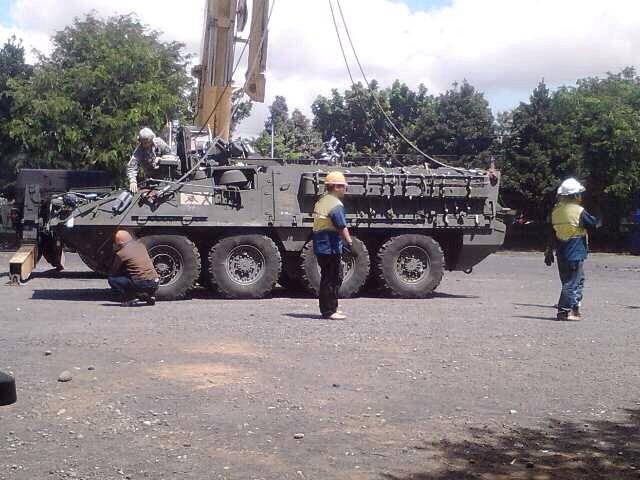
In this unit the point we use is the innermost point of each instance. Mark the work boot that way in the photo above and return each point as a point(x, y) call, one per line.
point(149, 299)
point(576, 313)
point(568, 317)
point(338, 316)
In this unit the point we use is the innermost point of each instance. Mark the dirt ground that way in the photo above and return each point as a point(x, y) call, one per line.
point(477, 382)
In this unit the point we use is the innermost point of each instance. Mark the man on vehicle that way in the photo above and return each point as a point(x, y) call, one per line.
point(146, 155)
point(330, 233)
point(569, 239)
point(133, 275)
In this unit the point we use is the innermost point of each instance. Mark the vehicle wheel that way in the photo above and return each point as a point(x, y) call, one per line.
point(356, 267)
point(245, 266)
point(410, 266)
point(290, 276)
point(177, 261)
point(93, 265)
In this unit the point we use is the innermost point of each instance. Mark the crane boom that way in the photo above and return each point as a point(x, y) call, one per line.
point(224, 21)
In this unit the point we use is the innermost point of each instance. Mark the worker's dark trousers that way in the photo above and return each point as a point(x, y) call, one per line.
point(330, 282)
point(129, 290)
point(572, 278)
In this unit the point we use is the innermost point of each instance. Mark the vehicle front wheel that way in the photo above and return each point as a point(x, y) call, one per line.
point(177, 261)
point(245, 266)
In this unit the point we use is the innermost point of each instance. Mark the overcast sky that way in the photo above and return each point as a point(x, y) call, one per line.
point(503, 47)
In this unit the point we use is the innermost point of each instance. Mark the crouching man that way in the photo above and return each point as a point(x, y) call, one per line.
point(132, 273)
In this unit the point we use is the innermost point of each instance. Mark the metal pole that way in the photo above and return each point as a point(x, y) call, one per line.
point(273, 136)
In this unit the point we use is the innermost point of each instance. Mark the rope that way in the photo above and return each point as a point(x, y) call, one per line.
point(376, 101)
point(353, 82)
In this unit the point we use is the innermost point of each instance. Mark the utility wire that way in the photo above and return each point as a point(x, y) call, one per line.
point(377, 102)
point(353, 82)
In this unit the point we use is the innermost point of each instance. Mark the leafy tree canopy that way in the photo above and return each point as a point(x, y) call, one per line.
point(83, 105)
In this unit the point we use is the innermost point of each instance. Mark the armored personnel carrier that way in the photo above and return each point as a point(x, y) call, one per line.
point(242, 225)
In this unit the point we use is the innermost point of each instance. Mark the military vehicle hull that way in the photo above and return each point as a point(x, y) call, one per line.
point(241, 229)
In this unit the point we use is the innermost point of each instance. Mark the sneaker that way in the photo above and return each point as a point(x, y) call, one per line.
point(576, 313)
point(338, 316)
point(568, 317)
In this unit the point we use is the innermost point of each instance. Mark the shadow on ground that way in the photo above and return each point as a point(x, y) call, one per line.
point(562, 450)
point(535, 305)
point(534, 317)
point(74, 295)
point(85, 275)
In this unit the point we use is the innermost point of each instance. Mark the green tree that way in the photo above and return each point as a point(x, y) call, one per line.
point(590, 132)
point(293, 135)
point(104, 80)
point(459, 123)
point(606, 120)
point(12, 66)
point(352, 118)
point(530, 172)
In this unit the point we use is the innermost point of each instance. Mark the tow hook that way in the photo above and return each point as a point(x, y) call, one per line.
point(468, 271)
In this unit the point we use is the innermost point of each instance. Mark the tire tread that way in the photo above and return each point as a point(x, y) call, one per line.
point(390, 245)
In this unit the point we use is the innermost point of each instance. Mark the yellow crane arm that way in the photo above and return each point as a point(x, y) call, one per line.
point(224, 21)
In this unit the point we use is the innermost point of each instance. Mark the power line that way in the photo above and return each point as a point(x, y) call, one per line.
point(376, 101)
point(353, 82)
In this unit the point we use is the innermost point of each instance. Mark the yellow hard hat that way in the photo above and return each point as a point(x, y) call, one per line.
point(335, 178)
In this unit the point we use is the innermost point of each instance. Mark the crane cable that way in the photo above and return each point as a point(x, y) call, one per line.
point(353, 82)
point(376, 101)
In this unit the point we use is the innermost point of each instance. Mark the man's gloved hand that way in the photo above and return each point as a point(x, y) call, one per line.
point(346, 248)
point(549, 258)
point(133, 187)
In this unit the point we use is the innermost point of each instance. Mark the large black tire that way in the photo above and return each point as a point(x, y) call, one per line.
point(290, 276)
point(410, 266)
point(245, 266)
point(93, 265)
point(177, 261)
point(357, 266)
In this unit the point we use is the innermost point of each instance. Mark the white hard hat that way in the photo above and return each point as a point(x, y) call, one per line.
point(146, 134)
point(571, 187)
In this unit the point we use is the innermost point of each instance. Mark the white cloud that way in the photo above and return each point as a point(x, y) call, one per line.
point(504, 47)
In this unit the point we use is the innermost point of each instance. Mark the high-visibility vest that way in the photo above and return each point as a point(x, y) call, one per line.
point(566, 220)
point(324, 206)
